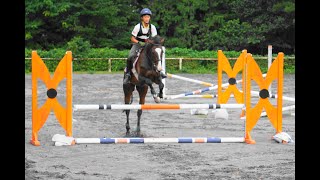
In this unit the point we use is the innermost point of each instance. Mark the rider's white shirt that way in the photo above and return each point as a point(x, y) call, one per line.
point(144, 31)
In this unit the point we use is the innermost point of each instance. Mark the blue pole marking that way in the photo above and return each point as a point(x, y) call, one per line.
point(213, 140)
point(136, 140)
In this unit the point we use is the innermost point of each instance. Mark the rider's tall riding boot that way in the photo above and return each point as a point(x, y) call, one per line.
point(127, 76)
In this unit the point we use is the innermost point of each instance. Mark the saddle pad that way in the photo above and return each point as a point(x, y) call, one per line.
point(134, 71)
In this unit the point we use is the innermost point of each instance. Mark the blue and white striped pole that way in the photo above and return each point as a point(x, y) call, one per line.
point(159, 140)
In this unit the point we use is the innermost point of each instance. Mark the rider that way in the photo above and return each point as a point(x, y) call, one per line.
point(140, 35)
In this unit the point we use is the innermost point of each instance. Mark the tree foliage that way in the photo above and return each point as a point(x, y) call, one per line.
point(194, 24)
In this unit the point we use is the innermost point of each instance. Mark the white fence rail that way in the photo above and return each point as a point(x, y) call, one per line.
point(180, 59)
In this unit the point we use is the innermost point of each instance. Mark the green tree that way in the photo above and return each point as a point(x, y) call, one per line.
point(234, 35)
point(53, 23)
point(44, 22)
point(275, 19)
point(194, 24)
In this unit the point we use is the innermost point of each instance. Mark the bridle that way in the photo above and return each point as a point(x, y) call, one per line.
point(159, 52)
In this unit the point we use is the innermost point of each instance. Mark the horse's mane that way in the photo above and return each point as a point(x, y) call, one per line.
point(156, 39)
point(147, 52)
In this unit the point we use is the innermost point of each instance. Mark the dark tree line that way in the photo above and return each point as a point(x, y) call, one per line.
point(195, 24)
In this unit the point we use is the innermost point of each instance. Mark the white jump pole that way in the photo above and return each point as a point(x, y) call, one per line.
point(159, 140)
point(189, 80)
point(209, 96)
point(155, 106)
point(287, 108)
point(192, 94)
point(62, 140)
point(275, 96)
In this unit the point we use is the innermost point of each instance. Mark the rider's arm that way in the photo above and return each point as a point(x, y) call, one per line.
point(153, 30)
point(134, 40)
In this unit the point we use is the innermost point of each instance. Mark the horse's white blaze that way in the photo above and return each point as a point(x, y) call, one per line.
point(158, 50)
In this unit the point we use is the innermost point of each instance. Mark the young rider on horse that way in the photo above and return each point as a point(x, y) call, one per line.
point(140, 35)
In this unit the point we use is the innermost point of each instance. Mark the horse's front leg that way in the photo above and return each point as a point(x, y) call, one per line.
point(127, 124)
point(161, 86)
point(128, 100)
point(153, 92)
point(159, 82)
point(139, 113)
point(142, 94)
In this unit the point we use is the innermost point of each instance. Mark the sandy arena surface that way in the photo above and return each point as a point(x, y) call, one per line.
point(266, 159)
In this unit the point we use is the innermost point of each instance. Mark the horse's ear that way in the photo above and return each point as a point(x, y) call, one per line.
point(162, 40)
point(149, 41)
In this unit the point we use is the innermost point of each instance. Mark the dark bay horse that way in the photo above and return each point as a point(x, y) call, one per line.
point(147, 72)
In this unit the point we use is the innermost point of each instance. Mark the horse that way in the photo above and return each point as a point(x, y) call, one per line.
point(146, 72)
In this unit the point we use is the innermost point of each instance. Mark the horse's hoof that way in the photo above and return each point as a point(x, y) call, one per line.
point(157, 99)
point(138, 134)
point(127, 134)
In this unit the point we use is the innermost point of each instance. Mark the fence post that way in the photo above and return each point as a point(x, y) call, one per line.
point(109, 64)
point(269, 63)
point(180, 64)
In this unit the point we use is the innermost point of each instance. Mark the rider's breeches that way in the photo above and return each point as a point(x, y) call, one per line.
point(132, 54)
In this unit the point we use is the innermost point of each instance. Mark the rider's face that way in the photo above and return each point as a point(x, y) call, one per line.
point(146, 18)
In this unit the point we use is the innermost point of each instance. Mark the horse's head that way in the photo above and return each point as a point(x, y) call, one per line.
point(155, 51)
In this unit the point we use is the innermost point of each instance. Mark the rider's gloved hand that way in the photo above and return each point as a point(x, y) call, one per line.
point(142, 43)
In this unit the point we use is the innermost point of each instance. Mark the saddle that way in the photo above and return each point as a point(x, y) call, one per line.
point(133, 70)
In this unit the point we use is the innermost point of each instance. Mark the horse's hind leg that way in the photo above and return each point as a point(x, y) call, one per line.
point(142, 94)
